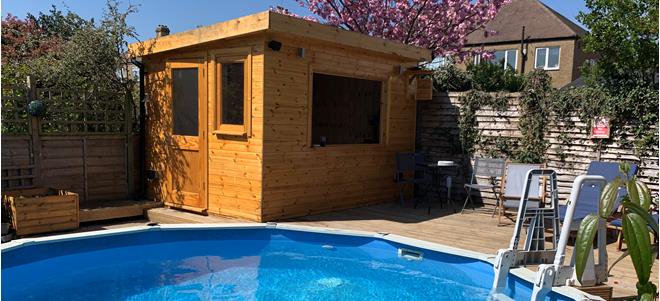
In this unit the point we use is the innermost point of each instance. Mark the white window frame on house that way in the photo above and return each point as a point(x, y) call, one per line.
point(547, 57)
point(477, 58)
point(506, 59)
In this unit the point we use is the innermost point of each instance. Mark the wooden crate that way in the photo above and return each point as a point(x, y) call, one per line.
point(42, 210)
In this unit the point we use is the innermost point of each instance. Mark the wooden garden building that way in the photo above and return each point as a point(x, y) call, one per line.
point(268, 116)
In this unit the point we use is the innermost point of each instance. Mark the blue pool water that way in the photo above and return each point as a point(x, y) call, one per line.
point(242, 264)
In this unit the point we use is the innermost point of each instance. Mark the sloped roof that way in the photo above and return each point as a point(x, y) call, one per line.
point(282, 24)
point(540, 21)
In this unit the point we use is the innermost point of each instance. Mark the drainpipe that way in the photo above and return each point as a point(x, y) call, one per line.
point(523, 51)
point(143, 113)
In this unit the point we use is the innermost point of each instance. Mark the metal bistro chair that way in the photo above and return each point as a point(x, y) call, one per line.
point(411, 164)
point(484, 167)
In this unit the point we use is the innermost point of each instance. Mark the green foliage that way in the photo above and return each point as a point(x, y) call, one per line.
point(638, 224)
point(534, 116)
point(624, 34)
point(632, 112)
point(485, 76)
point(85, 60)
point(490, 77)
point(471, 102)
point(531, 147)
point(587, 233)
point(450, 78)
point(93, 57)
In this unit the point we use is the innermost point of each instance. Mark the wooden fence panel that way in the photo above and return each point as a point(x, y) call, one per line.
point(83, 144)
point(17, 166)
point(438, 138)
point(95, 167)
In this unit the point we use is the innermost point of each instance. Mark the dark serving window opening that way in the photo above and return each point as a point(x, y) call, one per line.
point(232, 93)
point(345, 110)
point(185, 104)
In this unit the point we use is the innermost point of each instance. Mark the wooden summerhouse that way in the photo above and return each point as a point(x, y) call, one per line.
point(269, 116)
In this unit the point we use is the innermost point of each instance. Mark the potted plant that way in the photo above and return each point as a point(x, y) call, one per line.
point(638, 226)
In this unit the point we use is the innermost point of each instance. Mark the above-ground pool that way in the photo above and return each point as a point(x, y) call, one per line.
point(255, 262)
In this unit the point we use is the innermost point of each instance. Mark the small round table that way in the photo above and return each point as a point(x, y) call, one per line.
point(436, 169)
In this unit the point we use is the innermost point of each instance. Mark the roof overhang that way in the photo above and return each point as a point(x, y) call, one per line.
point(281, 24)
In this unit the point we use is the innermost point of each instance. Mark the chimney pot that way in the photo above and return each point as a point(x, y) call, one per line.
point(162, 30)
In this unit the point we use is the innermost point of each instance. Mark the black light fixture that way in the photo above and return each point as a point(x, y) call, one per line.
point(275, 45)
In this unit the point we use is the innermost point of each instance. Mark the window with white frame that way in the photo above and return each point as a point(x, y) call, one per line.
point(547, 58)
point(506, 58)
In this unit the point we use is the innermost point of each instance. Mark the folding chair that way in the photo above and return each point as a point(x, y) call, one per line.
point(484, 167)
point(513, 185)
point(411, 164)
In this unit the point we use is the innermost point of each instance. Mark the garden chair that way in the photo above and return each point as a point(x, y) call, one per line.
point(410, 170)
point(513, 186)
point(589, 198)
point(484, 167)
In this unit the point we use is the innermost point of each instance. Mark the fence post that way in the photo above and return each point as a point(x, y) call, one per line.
point(35, 140)
point(85, 171)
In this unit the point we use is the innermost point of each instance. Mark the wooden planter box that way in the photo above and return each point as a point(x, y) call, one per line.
point(41, 210)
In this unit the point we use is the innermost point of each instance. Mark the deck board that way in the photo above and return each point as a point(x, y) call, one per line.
point(475, 231)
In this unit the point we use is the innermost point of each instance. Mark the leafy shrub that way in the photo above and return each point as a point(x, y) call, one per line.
point(485, 76)
point(633, 112)
point(511, 81)
point(491, 77)
point(449, 78)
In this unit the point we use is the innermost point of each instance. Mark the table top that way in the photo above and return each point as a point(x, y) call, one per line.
point(441, 164)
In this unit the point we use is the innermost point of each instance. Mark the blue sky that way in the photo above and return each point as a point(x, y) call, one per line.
point(181, 15)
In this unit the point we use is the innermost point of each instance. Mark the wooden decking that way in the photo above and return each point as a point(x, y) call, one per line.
point(475, 231)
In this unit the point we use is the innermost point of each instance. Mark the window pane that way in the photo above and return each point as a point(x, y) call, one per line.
point(553, 57)
point(540, 57)
point(499, 57)
point(511, 58)
point(232, 93)
point(345, 110)
point(184, 101)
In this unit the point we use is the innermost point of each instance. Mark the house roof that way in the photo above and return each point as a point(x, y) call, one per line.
point(540, 21)
point(273, 22)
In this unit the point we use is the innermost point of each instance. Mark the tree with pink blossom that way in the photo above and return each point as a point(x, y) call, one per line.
point(439, 25)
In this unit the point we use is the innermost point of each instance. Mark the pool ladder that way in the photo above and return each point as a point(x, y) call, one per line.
point(534, 252)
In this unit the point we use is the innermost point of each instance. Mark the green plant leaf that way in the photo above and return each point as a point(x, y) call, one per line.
point(584, 242)
point(608, 198)
point(636, 234)
point(633, 193)
point(646, 297)
point(648, 217)
point(644, 195)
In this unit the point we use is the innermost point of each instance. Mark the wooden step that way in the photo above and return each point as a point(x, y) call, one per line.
point(98, 211)
point(173, 216)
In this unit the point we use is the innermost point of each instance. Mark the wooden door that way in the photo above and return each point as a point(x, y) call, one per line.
point(187, 178)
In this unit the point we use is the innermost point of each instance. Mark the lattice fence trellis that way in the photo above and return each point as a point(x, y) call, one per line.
point(15, 119)
point(74, 113)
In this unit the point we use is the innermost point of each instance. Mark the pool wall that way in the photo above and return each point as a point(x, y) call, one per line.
point(522, 273)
